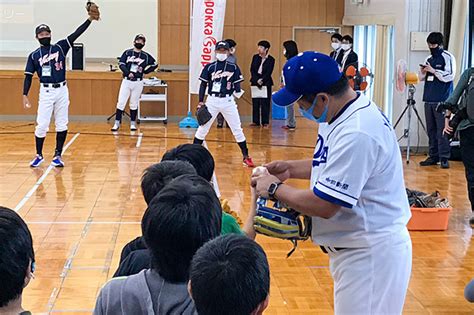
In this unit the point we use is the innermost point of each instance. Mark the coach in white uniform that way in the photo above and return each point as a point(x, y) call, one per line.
point(357, 194)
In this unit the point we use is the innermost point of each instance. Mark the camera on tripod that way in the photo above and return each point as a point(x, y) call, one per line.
point(459, 115)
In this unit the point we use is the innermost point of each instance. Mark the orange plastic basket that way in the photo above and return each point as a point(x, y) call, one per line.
point(429, 219)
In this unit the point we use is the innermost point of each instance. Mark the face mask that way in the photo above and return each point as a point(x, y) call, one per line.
point(336, 46)
point(221, 57)
point(308, 114)
point(284, 52)
point(435, 51)
point(45, 41)
point(346, 46)
point(139, 45)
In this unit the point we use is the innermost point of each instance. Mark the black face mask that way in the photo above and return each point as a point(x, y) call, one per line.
point(435, 51)
point(45, 41)
point(139, 45)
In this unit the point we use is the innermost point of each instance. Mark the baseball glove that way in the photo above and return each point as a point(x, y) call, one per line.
point(276, 220)
point(93, 10)
point(203, 115)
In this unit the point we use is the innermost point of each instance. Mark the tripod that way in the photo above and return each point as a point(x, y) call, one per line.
point(408, 109)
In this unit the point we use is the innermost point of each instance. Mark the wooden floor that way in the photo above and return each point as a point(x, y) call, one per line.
point(82, 215)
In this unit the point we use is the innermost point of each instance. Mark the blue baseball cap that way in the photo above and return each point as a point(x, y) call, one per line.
point(222, 45)
point(307, 73)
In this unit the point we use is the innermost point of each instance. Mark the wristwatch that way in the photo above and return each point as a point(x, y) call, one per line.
point(273, 188)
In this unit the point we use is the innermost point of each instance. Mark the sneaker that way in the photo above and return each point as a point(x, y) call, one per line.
point(37, 161)
point(471, 222)
point(286, 127)
point(265, 126)
point(116, 126)
point(133, 126)
point(248, 161)
point(444, 163)
point(57, 161)
point(429, 161)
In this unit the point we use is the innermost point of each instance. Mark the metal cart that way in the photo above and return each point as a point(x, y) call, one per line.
point(154, 97)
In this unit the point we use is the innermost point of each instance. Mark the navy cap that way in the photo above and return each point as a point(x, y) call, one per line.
point(42, 28)
point(140, 36)
point(307, 73)
point(222, 45)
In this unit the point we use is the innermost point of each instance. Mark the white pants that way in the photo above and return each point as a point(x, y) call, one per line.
point(228, 108)
point(374, 280)
point(51, 101)
point(132, 90)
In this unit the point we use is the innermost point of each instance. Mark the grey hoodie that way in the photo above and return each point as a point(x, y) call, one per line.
point(144, 293)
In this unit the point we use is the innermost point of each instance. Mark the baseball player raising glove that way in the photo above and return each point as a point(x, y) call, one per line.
point(93, 10)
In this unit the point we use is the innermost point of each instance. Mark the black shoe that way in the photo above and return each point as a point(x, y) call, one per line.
point(429, 161)
point(220, 126)
point(444, 163)
point(471, 222)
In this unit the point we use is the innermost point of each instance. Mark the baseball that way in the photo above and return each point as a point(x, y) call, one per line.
point(260, 170)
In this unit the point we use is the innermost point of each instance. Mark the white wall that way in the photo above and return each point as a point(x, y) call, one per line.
point(108, 38)
point(407, 16)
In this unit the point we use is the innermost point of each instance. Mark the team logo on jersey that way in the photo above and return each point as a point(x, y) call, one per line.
point(221, 74)
point(134, 59)
point(47, 58)
point(321, 155)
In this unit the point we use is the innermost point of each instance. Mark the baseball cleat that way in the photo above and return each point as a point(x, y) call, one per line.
point(133, 126)
point(57, 161)
point(248, 161)
point(116, 126)
point(37, 161)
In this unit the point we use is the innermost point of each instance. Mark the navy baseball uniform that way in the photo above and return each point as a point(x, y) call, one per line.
point(134, 63)
point(49, 63)
point(220, 79)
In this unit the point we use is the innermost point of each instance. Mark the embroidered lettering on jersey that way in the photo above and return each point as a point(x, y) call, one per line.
point(134, 59)
point(47, 58)
point(221, 74)
point(321, 155)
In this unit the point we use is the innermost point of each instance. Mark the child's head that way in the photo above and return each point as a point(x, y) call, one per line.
point(16, 256)
point(230, 275)
point(184, 215)
point(197, 155)
point(158, 175)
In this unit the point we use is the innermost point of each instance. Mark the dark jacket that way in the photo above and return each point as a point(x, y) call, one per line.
point(266, 75)
point(352, 60)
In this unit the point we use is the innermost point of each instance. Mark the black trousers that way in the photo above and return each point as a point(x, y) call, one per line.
point(466, 138)
point(261, 108)
point(439, 144)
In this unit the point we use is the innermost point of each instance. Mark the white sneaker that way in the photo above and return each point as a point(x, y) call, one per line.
point(133, 126)
point(116, 126)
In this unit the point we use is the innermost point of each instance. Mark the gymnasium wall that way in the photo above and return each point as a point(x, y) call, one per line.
point(247, 21)
point(121, 21)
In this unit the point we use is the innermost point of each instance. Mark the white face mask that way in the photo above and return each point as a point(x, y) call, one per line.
point(284, 52)
point(346, 46)
point(221, 57)
point(336, 46)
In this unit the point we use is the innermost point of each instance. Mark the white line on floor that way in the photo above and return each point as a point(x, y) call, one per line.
point(214, 177)
point(42, 178)
point(139, 140)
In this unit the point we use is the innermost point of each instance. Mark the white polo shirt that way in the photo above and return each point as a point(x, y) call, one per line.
point(357, 164)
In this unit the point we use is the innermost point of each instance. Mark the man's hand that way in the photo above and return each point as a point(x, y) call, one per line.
point(200, 104)
point(262, 183)
point(26, 102)
point(279, 169)
point(423, 70)
point(429, 68)
point(260, 82)
point(131, 75)
point(447, 129)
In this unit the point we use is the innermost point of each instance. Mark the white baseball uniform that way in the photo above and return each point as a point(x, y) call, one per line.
point(357, 164)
